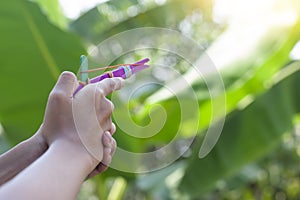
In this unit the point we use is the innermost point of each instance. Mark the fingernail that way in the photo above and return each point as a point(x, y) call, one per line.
point(108, 136)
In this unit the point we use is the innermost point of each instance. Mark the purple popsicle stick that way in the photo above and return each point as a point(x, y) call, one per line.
point(120, 72)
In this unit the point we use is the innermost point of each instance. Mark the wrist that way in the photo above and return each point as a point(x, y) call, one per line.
point(75, 152)
point(37, 144)
point(40, 142)
point(21, 156)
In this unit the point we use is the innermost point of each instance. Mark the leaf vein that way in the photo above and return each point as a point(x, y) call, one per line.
point(41, 45)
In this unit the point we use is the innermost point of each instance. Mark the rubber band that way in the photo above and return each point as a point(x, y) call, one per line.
point(110, 74)
point(127, 71)
point(84, 83)
point(110, 67)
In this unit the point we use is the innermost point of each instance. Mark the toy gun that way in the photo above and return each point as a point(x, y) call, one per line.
point(123, 70)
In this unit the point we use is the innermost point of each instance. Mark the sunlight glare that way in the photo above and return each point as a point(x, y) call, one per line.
point(73, 8)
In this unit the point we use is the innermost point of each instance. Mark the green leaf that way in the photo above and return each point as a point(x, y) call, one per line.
point(247, 136)
point(33, 53)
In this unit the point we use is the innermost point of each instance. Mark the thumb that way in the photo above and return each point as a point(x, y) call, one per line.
point(66, 83)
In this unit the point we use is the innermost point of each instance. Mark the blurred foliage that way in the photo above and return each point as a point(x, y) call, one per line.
point(258, 125)
point(115, 16)
point(33, 53)
point(274, 177)
point(53, 11)
point(262, 97)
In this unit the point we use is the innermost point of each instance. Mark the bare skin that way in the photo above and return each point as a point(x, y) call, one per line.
point(54, 162)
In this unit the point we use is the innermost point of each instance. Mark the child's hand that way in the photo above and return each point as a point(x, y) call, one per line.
point(79, 122)
point(110, 145)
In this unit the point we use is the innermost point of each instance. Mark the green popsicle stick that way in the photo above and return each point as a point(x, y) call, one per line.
point(84, 65)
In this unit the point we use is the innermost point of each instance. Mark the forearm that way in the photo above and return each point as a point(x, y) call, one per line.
point(19, 157)
point(57, 174)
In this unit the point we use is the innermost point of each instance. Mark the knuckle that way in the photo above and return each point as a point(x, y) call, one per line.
point(107, 107)
point(112, 107)
point(89, 90)
point(105, 122)
point(107, 151)
point(110, 83)
point(100, 93)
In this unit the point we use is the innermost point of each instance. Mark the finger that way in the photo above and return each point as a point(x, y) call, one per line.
point(105, 124)
point(92, 174)
point(107, 140)
point(113, 128)
point(106, 156)
point(101, 167)
point(109, 85)
point(66, 83)
point(105, 108)
point(113, 146)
